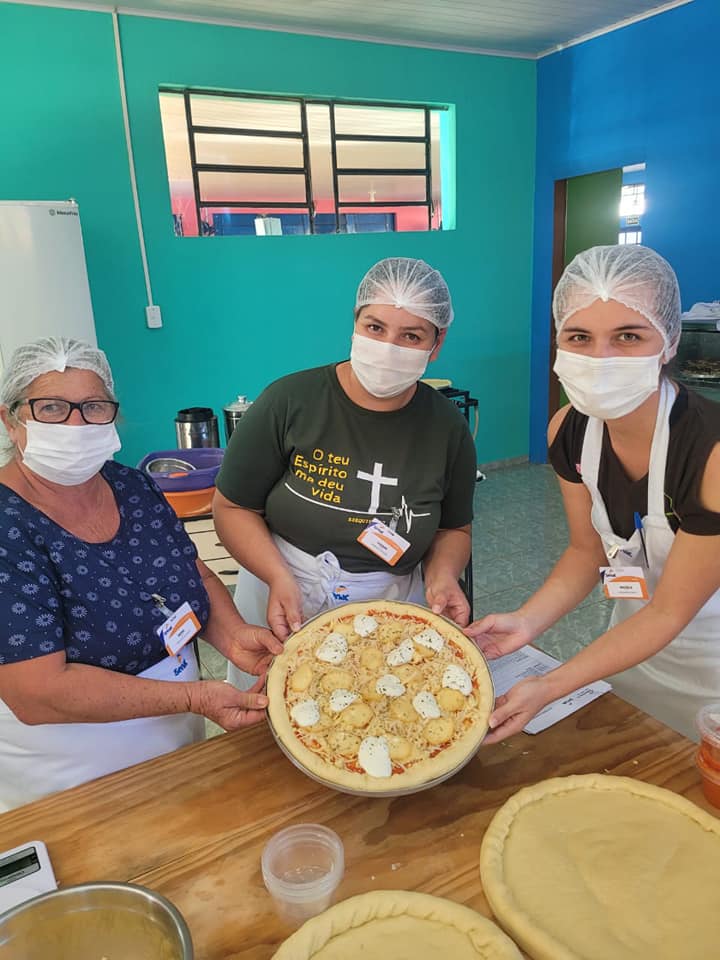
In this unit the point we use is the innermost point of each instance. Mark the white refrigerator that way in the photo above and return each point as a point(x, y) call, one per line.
point(43, 277)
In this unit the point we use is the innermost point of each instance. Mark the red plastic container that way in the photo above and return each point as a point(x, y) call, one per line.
point(710, 779)
point(708, 724)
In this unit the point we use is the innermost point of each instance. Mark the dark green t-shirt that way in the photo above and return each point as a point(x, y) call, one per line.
point(321, 467)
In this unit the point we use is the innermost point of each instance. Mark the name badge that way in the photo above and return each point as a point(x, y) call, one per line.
point(179, 629)
point(385, 543)
point(624, 583)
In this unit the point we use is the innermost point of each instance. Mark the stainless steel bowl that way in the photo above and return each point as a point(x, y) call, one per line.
point(168, 465)
point(92, 921)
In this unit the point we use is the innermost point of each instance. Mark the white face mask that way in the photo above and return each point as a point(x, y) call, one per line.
point(607, 387)
point(68, 454)
point(384, 369)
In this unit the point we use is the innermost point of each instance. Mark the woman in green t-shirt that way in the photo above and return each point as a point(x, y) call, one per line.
point(354, 480)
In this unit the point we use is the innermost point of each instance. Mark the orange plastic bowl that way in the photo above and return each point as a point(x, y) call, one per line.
point(190, 503)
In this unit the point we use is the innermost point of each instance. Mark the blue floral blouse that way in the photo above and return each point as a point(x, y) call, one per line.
point(93, 600)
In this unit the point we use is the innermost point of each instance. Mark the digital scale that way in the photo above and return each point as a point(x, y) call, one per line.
point(25, 872)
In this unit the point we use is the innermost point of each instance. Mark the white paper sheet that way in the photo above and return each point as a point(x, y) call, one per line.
point(528, 662)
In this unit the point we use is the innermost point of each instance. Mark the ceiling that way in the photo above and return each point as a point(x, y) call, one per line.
point(525, 28)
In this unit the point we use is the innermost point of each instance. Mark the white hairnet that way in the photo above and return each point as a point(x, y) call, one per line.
point(43, 356)
point(633, 275)
point(411, 285)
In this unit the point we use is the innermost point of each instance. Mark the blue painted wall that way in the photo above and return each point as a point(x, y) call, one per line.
point(239, 312)
point(649, 92)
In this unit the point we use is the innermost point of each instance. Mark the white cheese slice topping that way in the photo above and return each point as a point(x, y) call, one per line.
point(333, 649)
point(426, 705)
point(457, 679)
point(390, 686)
point(374, 757)
point(401, 654)
point(364, 625)
point(339, 699)
point(430, 638)
point(306, 713)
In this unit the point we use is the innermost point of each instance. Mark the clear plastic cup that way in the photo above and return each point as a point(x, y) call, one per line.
point(302, 867)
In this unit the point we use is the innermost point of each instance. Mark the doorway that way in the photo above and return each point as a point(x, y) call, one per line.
point(586, 214)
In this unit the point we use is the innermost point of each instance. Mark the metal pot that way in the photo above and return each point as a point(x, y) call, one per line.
point(120, 921)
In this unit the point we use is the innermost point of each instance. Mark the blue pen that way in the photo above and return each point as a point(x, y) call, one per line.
point(639, 528)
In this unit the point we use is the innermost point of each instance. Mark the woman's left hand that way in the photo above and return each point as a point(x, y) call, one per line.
point(516, 708)
point(252, 648)
point(445, 596)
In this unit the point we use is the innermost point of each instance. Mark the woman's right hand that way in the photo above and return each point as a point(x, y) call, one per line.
point(284, 610)
point(500, 633)
point(227, 706)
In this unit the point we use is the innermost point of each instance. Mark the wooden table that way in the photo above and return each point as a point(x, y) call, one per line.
point(193, 824)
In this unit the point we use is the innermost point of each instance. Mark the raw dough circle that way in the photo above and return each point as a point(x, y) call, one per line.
point(604, 868)
point(397, 923)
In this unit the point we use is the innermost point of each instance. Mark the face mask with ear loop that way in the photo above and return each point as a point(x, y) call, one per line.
point(68, 454)
point(607, 387)
point(384, 369)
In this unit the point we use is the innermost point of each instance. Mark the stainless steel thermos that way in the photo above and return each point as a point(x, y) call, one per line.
point(233, 411)
point(196, 427)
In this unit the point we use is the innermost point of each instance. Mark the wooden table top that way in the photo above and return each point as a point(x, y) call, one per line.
point(192, 824)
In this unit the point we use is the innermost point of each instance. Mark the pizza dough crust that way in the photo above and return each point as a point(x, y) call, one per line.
point(423, 771)
point(397, 923)
point(597, 867)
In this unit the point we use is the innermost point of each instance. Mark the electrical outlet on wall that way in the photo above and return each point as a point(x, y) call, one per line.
point(153, 317)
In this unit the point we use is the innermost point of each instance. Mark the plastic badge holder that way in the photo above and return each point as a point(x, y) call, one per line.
point(302, 867)
point(400, 791)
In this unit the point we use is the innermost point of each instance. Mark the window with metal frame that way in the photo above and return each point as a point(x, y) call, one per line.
point(251, 163)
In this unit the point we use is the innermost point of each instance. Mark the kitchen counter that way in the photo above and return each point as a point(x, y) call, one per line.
point(193, 824)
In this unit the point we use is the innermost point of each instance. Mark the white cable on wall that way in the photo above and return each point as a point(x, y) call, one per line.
point(131, 159)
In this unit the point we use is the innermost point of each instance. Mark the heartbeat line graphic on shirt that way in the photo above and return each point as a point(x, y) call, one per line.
point(405, 511)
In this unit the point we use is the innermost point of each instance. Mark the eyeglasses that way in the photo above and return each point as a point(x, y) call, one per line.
point(54, 410)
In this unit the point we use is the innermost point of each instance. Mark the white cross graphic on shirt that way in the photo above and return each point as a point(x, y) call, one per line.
point(377, 480)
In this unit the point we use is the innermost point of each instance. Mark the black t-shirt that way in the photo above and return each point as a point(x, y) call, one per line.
point(321, 467)
point(694, 431)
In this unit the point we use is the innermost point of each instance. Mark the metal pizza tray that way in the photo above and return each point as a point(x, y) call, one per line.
point(401, 791)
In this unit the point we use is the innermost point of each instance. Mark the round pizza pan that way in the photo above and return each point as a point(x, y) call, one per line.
point(399, 791)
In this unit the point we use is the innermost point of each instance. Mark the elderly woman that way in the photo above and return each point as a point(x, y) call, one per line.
point(93, 562)
point(638, 457)
point(355, 481)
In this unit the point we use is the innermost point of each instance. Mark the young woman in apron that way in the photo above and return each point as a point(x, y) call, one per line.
point(354, 481)
point(101, 592)
point(639, 464)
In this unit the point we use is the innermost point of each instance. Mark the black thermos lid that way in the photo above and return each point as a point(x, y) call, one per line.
point(194, 414)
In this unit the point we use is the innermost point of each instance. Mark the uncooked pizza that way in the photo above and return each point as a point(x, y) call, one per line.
point(397, 923)
point(604, 868)
point(380, 696)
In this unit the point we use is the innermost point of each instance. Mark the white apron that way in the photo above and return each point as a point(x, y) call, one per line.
point(323, 584)
point(39, 759)
point(674, 683)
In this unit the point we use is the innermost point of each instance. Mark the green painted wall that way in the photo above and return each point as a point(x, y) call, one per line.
point(239, 312)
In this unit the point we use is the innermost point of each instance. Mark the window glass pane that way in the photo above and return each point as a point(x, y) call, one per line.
point(366, 155)
point(249, 151)
point(252, 188)
point(318, 120)
point(380, 121)
point(632, 199)
point(380, 189)
point(209, 111)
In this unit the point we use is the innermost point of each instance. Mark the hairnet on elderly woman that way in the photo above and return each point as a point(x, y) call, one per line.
point(634, 275)
point(32, 360)
point(408, 284)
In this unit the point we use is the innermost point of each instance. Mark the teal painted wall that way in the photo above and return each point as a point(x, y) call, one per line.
point(239, 312)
